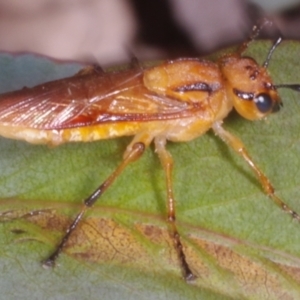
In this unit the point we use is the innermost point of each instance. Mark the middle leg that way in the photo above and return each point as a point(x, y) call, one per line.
point(167, 163)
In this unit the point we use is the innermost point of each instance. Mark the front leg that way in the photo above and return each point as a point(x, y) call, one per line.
point(237, 145)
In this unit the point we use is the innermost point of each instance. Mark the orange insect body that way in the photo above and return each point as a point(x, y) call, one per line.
point(177, 100)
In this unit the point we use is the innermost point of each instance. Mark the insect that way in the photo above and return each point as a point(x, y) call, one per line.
point(178, 100)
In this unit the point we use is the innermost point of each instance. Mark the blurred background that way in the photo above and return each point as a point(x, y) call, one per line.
point(109, 31)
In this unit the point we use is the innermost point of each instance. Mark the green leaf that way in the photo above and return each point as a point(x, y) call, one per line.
point(275, 5)
point(238, 242)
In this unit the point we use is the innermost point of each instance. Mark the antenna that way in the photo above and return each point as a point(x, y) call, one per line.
point(295, 87)
point(276, 43)
point(255, 32)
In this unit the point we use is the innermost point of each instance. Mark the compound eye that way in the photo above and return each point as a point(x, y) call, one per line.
point(263, 102)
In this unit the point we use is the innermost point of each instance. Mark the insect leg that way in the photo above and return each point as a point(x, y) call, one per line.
point(239, 148)
point(132, 153)
point(167, 163)
point(134, 63)
point(89, 70)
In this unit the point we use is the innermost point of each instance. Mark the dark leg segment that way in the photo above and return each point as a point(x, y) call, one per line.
point(133, 154)
point(167, 163)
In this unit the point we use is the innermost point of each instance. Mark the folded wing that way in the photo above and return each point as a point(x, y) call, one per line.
point(86, 99)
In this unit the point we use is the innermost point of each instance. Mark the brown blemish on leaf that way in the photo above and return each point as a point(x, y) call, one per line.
point(104, 240)
point(253, 276)
point(294, 272)
point(48, 219)
point(148, 247)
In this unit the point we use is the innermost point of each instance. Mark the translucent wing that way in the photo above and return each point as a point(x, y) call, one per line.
point(86, 99)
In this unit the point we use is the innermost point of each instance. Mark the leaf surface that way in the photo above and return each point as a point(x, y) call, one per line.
point(239, 243)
